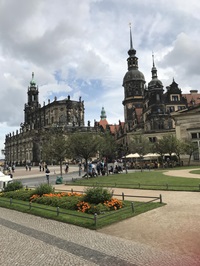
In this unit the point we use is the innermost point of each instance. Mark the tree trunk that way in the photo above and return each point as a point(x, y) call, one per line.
point(61, 168)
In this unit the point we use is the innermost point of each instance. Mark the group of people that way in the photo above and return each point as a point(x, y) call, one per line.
point(100, 168)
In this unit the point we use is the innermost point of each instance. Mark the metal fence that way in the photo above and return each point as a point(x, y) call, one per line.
point(140, 185)
point(95, 217)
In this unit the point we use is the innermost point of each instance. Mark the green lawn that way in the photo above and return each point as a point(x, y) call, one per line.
point(196, 172)
point(79, 218)
point(154, 179)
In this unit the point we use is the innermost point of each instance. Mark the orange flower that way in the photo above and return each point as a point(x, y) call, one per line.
point(83, 206)
point(114, 204)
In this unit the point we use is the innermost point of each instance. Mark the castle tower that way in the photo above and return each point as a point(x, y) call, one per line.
point(134, 86)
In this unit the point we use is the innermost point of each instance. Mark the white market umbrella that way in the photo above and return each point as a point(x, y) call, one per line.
point(151, 155)
point(133, 155)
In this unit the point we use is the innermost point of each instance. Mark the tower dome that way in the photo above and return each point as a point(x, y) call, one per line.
point(155, 82)
point(32, 82)
point(133, 73)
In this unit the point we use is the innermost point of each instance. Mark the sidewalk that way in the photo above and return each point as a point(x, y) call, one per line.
point(21, 172)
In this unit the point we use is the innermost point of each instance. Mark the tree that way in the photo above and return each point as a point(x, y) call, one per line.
point(141, 145)
point(169, 144)
point(108, 147)
point(55, 147)
point(83, 145)
point(189, 148)
point(179, 149)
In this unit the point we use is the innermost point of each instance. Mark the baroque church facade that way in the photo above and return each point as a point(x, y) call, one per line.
point(25, 146)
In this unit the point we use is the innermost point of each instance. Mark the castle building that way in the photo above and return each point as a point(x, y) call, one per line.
point(148, 108)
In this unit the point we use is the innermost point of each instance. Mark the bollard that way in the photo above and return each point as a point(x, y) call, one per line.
point(29, 205)
point(72, 190)
point(122, 195)
point(132, 206)
point(95, 219)
point(160, 198)
point(57, 210)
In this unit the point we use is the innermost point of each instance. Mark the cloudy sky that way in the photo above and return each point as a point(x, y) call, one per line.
point(79, 48)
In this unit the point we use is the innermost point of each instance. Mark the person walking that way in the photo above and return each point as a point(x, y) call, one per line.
point(47, 174)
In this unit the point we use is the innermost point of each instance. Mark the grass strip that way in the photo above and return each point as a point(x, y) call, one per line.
point(154, 180)
point(79, 218)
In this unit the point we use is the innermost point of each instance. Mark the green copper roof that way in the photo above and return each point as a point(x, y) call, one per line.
point(103, 114)
point(32, 82)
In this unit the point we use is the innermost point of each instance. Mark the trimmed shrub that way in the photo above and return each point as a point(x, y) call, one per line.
point(43, 189)
point(98, 209)
point(12, 186)
point(67, 202)
point(19, 194)
point(97, 195)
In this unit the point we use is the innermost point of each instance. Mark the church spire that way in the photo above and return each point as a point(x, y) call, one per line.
point(131, 51)
point(153, 70)
point(32, 82)
point(131, 41)
point(132, 60)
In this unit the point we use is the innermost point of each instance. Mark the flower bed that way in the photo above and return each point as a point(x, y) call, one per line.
point(75, 201)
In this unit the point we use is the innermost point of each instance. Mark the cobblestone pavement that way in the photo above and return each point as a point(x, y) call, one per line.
point(31, 240)
point(167, 236)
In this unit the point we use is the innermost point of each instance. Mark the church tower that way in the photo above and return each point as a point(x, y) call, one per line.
point(33, 102)
point(134, 86)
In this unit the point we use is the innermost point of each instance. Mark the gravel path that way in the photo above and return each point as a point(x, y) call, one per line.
point(182, 173)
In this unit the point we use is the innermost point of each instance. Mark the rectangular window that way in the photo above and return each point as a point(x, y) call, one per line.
point(170, 109)
point(152, 139)
point(181, 107)
point(194, 135)
point(175, 98)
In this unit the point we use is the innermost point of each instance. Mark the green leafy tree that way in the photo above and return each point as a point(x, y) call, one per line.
point(189, 148)
point(169, 144)
point(179, 149)
point(141, 145)
point(55, 148)
point(83, 145)
point(108, 147)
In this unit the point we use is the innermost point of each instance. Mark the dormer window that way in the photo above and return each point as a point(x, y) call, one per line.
point(175, 98)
